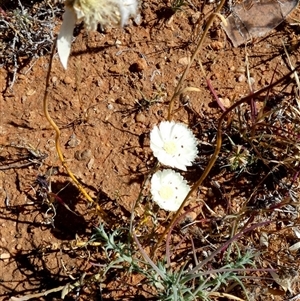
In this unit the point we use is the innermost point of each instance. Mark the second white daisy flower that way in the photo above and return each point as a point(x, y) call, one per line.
point(173, 144)
point(169, 189)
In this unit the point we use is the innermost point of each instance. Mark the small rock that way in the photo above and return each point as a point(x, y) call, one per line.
point(217, 45)
point(90, 163)
point(118, 43)
point(18, 247)
point(67, 80)
point(4, 256)
point(110, 106)
point(110, 42)
point(184, 60)
point(241, 78)
point(138, 19)
point(30, 92)
point(140, 117)
point(121, 100)
point(191, 216)
point(241, 69)
point(117, 69)
point(22, 77)
point(84, 155)
point(138, 66)
point(73, 141)
point(225, 102)
point(3, 130)
point(54, 79)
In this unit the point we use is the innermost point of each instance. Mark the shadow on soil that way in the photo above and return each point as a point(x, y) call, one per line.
point(57, 211)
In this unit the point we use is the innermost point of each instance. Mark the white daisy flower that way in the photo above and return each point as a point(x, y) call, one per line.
point(92, 12)
point(169, 189)
point(173, 144)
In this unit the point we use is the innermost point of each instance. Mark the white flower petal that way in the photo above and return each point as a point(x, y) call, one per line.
point(128, 8)
point(165, 129)
point(79, 13)
point(92, 12)
point(169, 189)
point(156, 138)
point(173, 144)
point(105, 12)
point(64, 39)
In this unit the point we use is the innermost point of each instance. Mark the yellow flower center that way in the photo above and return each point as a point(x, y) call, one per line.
point(166, 192)
point(170, 148)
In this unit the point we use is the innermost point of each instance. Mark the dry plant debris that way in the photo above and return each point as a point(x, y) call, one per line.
point(26, 32)
point(250, 19)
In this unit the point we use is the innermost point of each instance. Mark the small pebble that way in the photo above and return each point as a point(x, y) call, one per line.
point(18, 247)
point(184, 60)
point(225, 101)
point(84, 155)
point(3, 130)
point(4, 256)
point(110, 42)
point(110, 106)
point(140, 117)
point(217, 45)
point(22, 77)
point(73, 141)
point(138, 19)
point(191, 216)
point(138, 66)
point(90, 163)
point(117, 69)
point(241, 70)
point(67, 80)
point(118, 43)
point(54, 79)
point(30, 92)
point(241, 78)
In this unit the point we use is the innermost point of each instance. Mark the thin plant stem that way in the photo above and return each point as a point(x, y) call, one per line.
point(203, 36)
point(168, 253)
point(147, 258)
point(225, 295)
point(223, 247)
point(57, 132)
point(154, 169)
point(217, 150)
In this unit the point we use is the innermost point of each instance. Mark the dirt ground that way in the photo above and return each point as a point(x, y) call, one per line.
point(117, 87)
